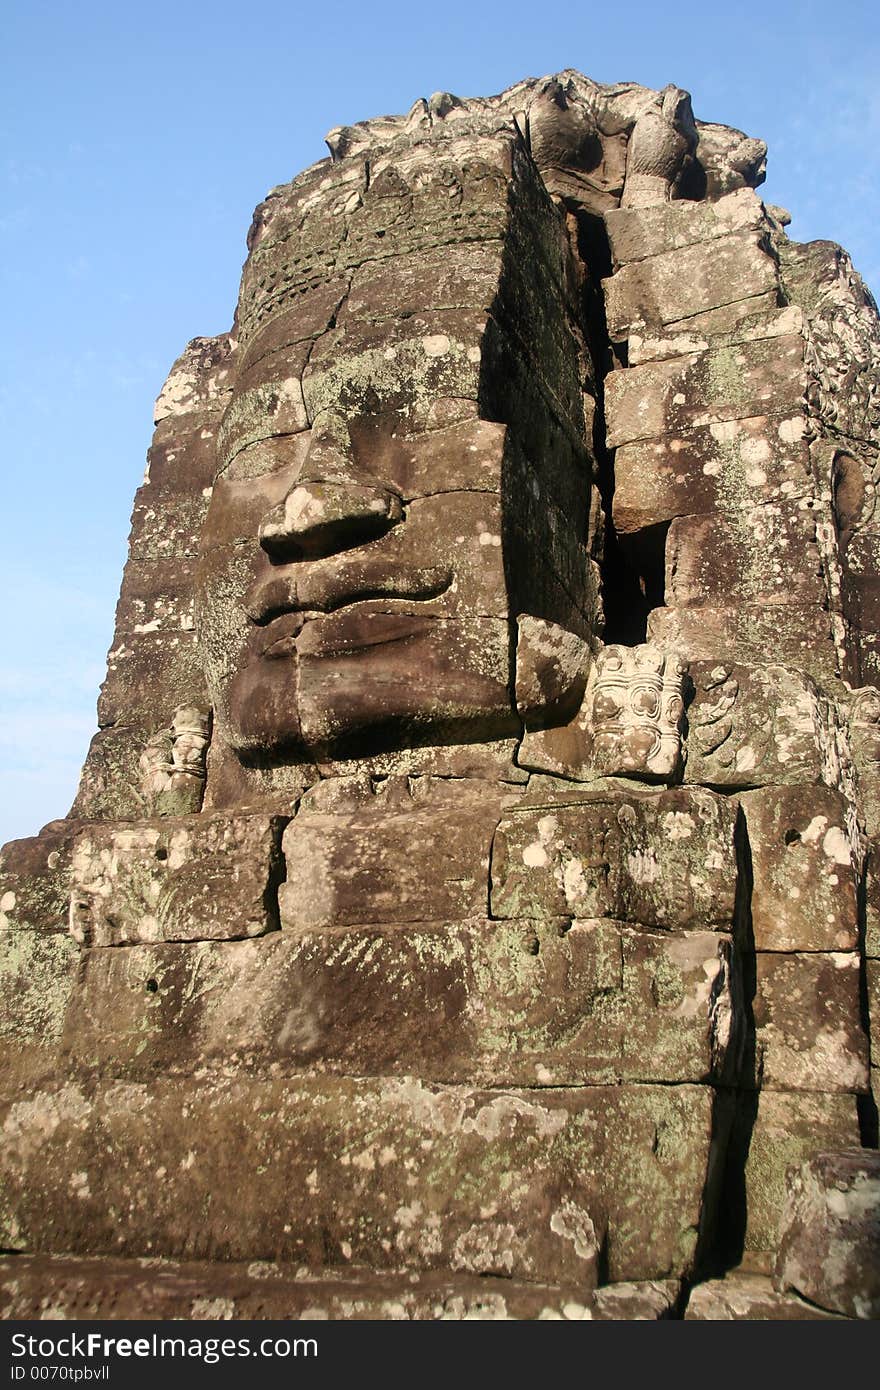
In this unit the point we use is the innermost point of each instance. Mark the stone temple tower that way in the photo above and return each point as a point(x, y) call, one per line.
point(471, 902)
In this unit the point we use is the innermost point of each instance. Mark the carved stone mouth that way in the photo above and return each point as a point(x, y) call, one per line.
point(284, 596)
point(279, 635)
point(347, 629)
point(358, 627)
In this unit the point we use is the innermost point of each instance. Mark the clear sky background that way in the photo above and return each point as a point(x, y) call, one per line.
point(136, 140)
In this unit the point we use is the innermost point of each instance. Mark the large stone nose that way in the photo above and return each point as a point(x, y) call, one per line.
point(331, 506)
point(320, 517)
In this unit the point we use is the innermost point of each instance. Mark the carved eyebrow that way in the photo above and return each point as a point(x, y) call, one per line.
point(264, 411)
point(260, 457)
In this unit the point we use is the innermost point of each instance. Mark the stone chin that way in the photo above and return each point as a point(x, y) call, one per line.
point(362, 678)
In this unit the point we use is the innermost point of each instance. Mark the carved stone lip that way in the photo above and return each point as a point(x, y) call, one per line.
point(359, 627)
point(347, 629)
point(283, 595)
point(277, 638)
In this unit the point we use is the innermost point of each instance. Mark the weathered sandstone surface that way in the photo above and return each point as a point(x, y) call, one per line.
point(471, 905)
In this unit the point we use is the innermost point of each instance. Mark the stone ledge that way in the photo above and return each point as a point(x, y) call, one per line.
point(386, 1173)
point(751, 1297)
point(42, 1287)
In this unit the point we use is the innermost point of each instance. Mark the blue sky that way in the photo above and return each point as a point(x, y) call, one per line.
point(135, 141)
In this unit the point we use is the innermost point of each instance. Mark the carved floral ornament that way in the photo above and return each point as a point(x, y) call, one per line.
point(636, 708)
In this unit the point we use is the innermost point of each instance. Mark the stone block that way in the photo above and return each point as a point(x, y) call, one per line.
point(797, 634)
point(804, 895)
point(110, 782)
point(200, 381)
point(861, 719)
point(435, 334)
point(730, 317)
point(373, 866)
point(665, 861)
point(171, 504)
point(746, 557)
point(750, 1297)
point(497, 1003)
point(862, 601)
point(466, 277)
point(750, 725)
point(787, 1129)
point(388, 1173)
point(552, 668)
point(868, 644)
point(149, 675)
point(860, 560)
point(35, 878)
point(731, 465)
point(734, 383)
point(678, 283)
point(166, 522)
point(268, 401)
point(464, 457)
point(545, 423)
point(636, 233)
point(863, 550)
point(156, 596)
point(750, 322)
point(311, 312)
point(188, 878)
point(38, 973)
point(808, 1024)
point(491, 758)
point(829, 1250)
point(645, 1300)
point(442, 360)
point(182, 457)
point(39, 964)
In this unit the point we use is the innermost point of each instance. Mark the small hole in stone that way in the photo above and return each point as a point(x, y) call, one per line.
point(152, 986)
point(161, 854)
point(534, 946)
point(792, 837)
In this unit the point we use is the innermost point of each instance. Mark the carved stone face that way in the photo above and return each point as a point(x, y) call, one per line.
point(371, 541)
point(351, 580)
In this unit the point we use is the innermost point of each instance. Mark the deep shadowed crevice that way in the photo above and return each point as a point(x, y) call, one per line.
point(277, 873)
point(866, 1106)
point(729, 1243)
point(634, 578)
point(592, 249)
point(632, 566)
